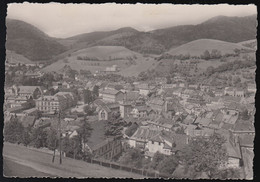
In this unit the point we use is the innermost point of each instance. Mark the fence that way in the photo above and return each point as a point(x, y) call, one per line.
point(117, 166)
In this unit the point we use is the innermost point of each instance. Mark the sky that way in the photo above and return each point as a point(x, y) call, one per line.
point(66, 20)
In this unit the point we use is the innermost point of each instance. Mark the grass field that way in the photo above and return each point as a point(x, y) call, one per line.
point(103, 53)
point(197, 47)
point(41, 162)
point(12, 169)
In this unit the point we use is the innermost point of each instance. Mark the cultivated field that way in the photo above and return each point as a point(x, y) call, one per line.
point(41, 162)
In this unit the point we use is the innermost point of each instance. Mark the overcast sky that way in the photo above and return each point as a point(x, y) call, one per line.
point(65, 20)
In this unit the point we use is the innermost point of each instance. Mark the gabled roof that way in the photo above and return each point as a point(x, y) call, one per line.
point(144, 133)
point(27, 89)
point(157, 101)
point(110, 91)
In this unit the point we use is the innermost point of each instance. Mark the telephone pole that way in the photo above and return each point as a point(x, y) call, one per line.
point(60, 137)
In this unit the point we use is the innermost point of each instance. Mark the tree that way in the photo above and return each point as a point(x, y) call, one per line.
point(114, 126)
point(88, 98)
point(39, 138)
point(210, 71)
point(26, 137)
point(157, 158)
point(229, 173)
point(205, 154)
point(205, 55)
point(84, 132)
point(96, 91)
point(52, 139)
point(168, 165)
point(244, 114)
point(133, 157)
point(89, 110)
point(13, 130)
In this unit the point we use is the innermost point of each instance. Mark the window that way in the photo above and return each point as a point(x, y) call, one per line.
point(103, 115)
point(159, 143)
point(152, 142)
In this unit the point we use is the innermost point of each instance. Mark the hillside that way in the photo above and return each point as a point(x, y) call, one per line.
point(31, 42)
point(12, 57)
point(231, 29)
point(41, 161)
point(198, 47)
point(129, 62)
point(104, 53)
point(249, 43)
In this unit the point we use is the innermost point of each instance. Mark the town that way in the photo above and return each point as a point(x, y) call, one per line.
point(153, 119)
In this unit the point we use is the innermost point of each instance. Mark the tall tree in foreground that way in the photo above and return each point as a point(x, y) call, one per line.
point(84, 132)
point(13, 130)
point(113, 128)
point(205, 155)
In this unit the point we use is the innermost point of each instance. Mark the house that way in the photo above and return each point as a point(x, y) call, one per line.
point(28, 91)
point(234, 155)
point(105, 110)
point(251, 88)
point(160, 123)
point(239, 92)
point(140, 138)
point(144, 89)
point(177, 92)
point(49, 103)
point(160, 80)
point(113, 68)
point(125, 109)
point(157, 104)
point(109, 148)
point(193, 86)
point(140, 111)
point(111, 95)
point(205, 88)
point(186, 93)
point(166, 143)
point(236, 92)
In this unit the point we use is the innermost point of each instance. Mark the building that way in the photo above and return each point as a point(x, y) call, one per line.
point(49, 104)
point(157, 104)
point(105, 110)
point(59, 101)
point(251, 88)
point(28, 91)
point(125, 109)
point(111, 95)
point(113, 68)
point(140, 111)
point(107, 149)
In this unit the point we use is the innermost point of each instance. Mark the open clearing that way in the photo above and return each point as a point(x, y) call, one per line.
point(41, 162)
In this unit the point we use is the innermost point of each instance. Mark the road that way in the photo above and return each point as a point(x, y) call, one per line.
point(22, 162)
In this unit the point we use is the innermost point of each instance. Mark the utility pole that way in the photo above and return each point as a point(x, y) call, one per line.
point(59, 134)
point(60, 137)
